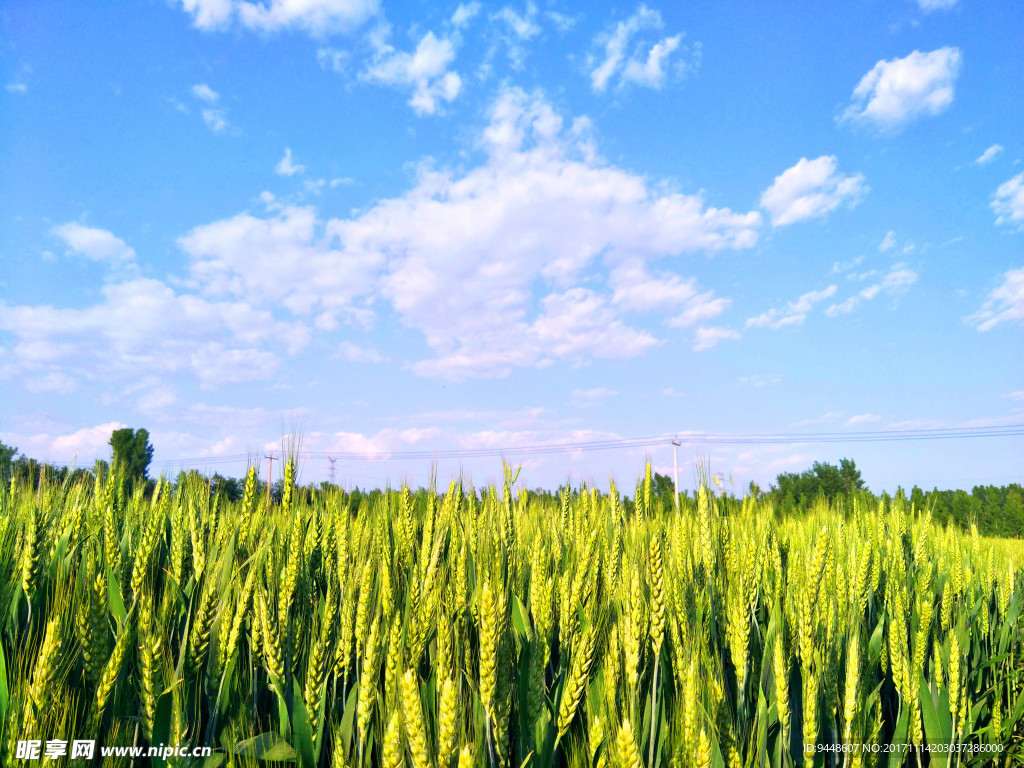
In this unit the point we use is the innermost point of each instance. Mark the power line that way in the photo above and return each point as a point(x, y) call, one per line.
point(684, 438)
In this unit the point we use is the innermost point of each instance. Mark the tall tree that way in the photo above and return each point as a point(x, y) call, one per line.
point(132, 450)
point(7, 454)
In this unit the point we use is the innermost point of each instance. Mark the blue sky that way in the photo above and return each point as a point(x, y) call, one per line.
point(436, 227)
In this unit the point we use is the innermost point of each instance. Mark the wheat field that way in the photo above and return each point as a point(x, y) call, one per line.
point(491, 629)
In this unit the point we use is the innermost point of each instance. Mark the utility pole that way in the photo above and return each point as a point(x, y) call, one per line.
point(270, 475)
point(675, 469)
point(332, 460)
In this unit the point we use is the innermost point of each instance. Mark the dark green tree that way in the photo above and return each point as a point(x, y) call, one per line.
point(133, 452)
point(823, 479)
point(7, 454)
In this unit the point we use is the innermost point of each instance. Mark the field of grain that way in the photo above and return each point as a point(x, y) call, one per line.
point(489, 629)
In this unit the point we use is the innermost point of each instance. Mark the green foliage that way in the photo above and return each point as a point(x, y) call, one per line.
point(7, 454)
point(822, 479)
point(133, 452)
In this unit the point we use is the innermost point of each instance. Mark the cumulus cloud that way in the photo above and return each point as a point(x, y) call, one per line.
point(636, 290)
point(811, 189)
point(89, 441)
point(897, 91)
point(317, 17)
point(286, 166)
point(1008, 202)
point(93, 243)
point(425, 71)
point(989, 154)
point(638, 63)
point(897, 280)
point(142, 325)
point(1004, 305)
point(794, 313)
point(487, 263)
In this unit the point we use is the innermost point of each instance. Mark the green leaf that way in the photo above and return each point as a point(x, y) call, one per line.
point(267, 746)
point(899, 738)
point(114, 597)
point(937, 729)
point(875, 643)
point(761, 755)
point(302, 734)
point(5, 695)
point(520, 618)
point(162, 725)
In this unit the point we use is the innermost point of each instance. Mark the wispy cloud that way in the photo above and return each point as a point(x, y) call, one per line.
point(641, 63)
point(1008, 202)
point(897, 280)
point(794, 313)
point(1004, 305)
point(286, 166)
point(861, 419)
point(989, 155)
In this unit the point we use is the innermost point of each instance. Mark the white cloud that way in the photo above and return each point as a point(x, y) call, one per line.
point(1018, 395)
point(584, 398)
point(143, 326)
point(896, 281)
point(203, 92)
point(934, 5)
point(332, 58)
point(486, 263)
point(652, 72)
point(216, 120)
point(1008, 202)
point(17, 87)
point(54, 381)
point(380, 445)
point(643, 63)
point(708, 337)
point(425, 71)
point(354, 353)
point(86, 442)
point(317, 17)
point(1005, 303)
point(638, 291)
point(794, 313)
point(862, 418)
point(93, 243)
point(279, 261)
point(286, 167)
point(810, 189)
point(516, 29)
point(465, 13)
point(989, 155)
point(897, 91)
point(888, 242)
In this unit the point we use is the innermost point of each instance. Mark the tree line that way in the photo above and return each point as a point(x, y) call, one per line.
point(996, 510)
